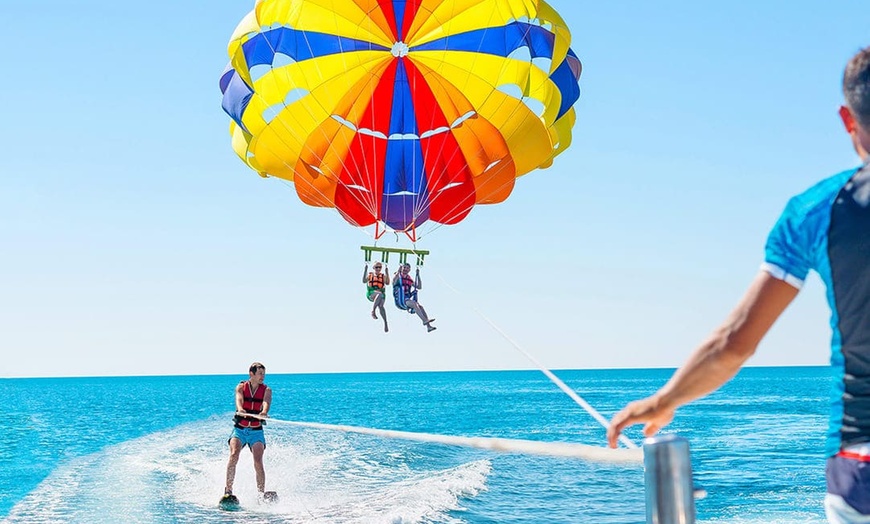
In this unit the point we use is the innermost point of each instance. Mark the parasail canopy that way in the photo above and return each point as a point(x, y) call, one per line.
point(397, 112)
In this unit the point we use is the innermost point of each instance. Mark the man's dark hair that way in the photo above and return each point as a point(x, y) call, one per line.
point(256, 366)
point(856, 86)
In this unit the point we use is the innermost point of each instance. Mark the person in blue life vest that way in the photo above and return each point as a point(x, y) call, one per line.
point(826, 229)
point(255, 398)
point(405, 293)
point(376, 283)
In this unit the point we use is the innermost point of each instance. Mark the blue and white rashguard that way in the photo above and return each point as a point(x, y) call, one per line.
point(827, 229)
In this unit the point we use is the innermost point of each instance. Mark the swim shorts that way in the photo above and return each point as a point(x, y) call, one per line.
point(248, 437)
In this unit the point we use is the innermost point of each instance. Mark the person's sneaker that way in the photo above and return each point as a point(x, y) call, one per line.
point(430, 328)
point(386, 329)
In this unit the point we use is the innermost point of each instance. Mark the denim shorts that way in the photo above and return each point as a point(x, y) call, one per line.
point(248, 437)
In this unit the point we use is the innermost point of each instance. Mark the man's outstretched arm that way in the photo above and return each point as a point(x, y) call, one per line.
point(715, 361)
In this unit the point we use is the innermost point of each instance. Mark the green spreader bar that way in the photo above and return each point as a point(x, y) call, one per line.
point(385, 253)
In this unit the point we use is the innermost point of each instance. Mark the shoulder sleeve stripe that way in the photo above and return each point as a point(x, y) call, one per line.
point(781, 274)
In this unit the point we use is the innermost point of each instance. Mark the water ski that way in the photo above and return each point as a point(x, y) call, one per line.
point(229, 503)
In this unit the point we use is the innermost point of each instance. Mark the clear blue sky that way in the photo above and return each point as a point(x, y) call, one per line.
point(134, 241)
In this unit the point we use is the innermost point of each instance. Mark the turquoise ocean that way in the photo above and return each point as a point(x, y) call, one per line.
point(153, 449)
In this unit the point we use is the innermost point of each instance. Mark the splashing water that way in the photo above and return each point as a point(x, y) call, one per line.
point(321, 477)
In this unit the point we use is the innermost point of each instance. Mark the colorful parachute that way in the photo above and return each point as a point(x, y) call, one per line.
point(396, 112)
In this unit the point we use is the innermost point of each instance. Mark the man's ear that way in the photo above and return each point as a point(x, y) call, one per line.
point(848, 119)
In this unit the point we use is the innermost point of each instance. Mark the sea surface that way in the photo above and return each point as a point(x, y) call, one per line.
point(154, 449)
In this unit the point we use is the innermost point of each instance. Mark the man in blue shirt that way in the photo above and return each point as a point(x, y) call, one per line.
point(826, 229)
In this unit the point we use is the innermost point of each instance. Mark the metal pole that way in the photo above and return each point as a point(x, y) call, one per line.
point(668, 479)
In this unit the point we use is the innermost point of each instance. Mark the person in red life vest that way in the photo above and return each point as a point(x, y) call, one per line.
point(405, 292)
point(376, 283)
point(252, 397)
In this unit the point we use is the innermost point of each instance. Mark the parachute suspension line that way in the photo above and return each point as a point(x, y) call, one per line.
point(362, 231)
point(438, 225)
point(422, 203)
point(494, 190)
point(532, 447)
point(556, 380)
point(367, 200)
point(517, 108)
point(302, 139)
point(291, 132)
point(371, 174)
point(469, 72)
point(472, 67)
point(456, 206)
point(319, 192)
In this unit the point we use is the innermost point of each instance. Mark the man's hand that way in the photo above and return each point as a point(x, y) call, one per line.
point(648, 411)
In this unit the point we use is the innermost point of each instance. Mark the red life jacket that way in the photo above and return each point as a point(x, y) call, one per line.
point(251, 404)
point(407, 283)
